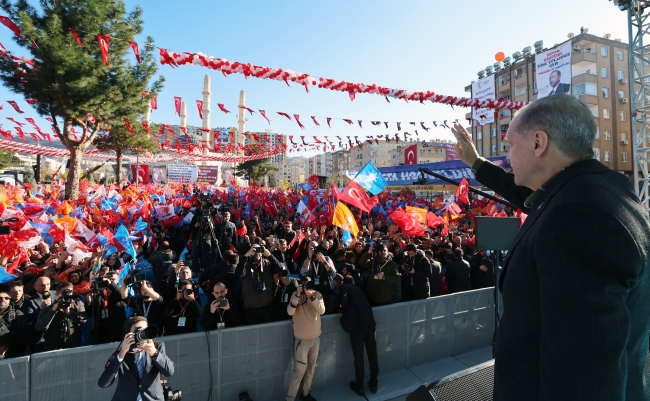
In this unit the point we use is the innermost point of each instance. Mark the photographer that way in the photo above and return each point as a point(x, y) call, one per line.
point(158, 259)
point(220, 313)
point(383, 279)
point(182, 312)
point(61, 321)
point(283, 289)
point(280, 251)
point(225, 232)
point(305, 308)
point(417, 269)
point(181, 272)
point(257, 286)
point(32, 308)
point(105, 305)
point(137, 365)
point(13, 325)
point(320, 269)
point(146, 302)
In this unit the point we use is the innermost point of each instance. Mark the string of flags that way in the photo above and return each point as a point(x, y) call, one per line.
point(249, 70)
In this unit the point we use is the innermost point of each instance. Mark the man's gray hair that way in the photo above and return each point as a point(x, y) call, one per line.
point(568, 122)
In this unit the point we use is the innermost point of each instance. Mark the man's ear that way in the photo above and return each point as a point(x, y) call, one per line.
point(541, 142)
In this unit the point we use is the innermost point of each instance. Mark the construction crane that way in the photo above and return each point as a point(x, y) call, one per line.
point(638, 20)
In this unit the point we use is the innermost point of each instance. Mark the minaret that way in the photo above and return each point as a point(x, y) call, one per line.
point(183, 114)
point(147, 116)
point(242, 117)
point(206, 113)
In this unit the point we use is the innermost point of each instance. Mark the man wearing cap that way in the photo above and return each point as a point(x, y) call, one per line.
point(305, 308)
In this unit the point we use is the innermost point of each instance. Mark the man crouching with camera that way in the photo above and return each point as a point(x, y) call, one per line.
point(305, 308)
point(138, 363)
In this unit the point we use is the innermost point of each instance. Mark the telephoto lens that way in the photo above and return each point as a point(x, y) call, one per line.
point(187, 291)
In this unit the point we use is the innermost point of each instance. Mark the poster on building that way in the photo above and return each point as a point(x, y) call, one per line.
point(140, 172)
point(208, 175)
point(158, 174)
point(553, 71)
point(483, 89)
point(228, 176)
point(182, 173)
point(450, 152)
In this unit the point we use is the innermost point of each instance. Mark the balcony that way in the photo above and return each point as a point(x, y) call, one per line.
point(520, 79)
point(585, 76)
point(584, 58)
point(587, 99)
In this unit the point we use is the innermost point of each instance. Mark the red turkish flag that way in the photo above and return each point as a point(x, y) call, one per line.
point(10, 24)
point(142, 172)
point(355, 195)
point(154, 103)
point(462, 192)
point(136, 51)
point(76, 36)
point(146, 126)
point(128, 127)
point(104, 41)
point(454, 209)
point(177, 104)
point(223, 108)
point(411, 155)
point(433, 220)
point(199, 105)
point(15, 106)
point(408, 224)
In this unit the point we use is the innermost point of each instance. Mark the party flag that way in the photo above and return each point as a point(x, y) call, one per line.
point(343, 218)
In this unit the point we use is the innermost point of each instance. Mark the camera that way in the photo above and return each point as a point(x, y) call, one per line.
point(259, 249)
point(66, 299)
point(136, 278)
point(100, 285)
point(171, 395)
point(141, 335)
point(188, 291)
point(307, 285)
point(222, 303)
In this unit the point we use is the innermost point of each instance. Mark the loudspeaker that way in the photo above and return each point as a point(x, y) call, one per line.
point(473, 384)
point(496, 233)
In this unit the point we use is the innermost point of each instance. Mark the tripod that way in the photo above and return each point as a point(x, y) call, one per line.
point(203, 251)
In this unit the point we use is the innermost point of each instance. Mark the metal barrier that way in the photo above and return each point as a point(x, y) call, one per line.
point(257, 359)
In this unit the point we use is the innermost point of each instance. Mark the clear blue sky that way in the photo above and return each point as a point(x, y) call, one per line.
point(414, 45)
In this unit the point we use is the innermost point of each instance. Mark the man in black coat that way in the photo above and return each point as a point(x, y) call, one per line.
point(417, 270)
point(220, 313)
point(359, 321)
point(576, 282)
point(434, 280)
point(458, 273)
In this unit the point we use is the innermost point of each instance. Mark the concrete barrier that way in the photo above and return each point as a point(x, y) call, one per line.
point(258, 358)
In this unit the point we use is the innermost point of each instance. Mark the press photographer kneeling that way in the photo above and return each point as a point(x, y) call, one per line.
point(139, 363)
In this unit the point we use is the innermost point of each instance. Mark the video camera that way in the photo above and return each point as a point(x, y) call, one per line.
point(66, 299)
point(135, 278)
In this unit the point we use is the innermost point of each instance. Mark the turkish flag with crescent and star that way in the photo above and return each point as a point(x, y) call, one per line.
point(462, 192)
point(199, 105)
point(142, 171)
point(411, 155)
point(408, 224)
point(177, 104)
point(355, 195)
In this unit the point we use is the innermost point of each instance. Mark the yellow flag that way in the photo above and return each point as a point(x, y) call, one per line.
point(66, 222)
point(417, 213)
point(343, 218)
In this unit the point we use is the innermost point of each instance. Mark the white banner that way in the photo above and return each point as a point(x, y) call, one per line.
point(554, 71)
point(483, 89)
point(165, 212)
point(182, 173)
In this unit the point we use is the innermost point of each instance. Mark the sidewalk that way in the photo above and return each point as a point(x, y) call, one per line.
point(396, 385)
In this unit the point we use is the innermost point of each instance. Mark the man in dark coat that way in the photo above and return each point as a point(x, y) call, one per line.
point(576, 312)
point(417, 270)
point(458, 273)
point(359, 321)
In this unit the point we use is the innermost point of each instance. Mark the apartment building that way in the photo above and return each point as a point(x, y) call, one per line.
point(428, 152)
point(378, 153)
point(599, 69)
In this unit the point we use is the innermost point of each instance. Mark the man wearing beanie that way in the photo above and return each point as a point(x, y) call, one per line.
point(305, 308)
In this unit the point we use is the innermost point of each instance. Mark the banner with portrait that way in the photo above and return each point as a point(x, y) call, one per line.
point(483, 89)
point(553, 71)
point(158, 174)
point(141, 171)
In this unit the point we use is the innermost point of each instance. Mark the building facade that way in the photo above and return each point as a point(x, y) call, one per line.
point(599, 69)
point(378, 153)
point(428, 152)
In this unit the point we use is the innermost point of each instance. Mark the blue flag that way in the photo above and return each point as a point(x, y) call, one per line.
point(347, 237)
point(122, 236)
point(371, 179)
point(125, 270)
point(6, 277)
point(139, 226)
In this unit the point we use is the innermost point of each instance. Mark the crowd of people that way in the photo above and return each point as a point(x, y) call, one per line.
point(70, 290)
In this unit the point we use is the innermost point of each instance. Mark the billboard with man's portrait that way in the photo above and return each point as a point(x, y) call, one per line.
point(554, 71)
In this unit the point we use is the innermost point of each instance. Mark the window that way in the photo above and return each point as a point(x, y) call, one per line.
point(605, 92)
point(494, 148)
point(604, 50)
point(623, 136)
point(621, 94)
point(603, 72)
point(493, 132)
point(521, 71)
point(619, 54)
point(383, 153)
point(479, 136)
point(606, 113)
point(585, 88)
point(597, 133)
point(521, 89)
point(608, 156)
point(620, 75)
point(480, 151)
point(624, 157)
point(608, 135)
point(596, 153)
point(623, 116)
